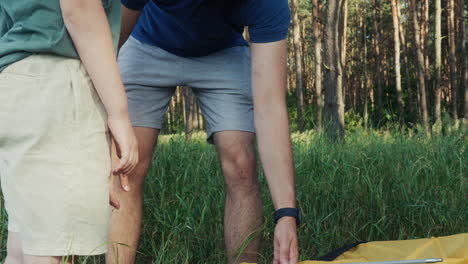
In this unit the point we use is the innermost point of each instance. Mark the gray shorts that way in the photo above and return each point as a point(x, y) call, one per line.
point(220, 81)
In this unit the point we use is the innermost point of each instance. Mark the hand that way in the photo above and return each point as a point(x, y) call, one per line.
point(113, 201)
point(286, 249)
point(126, 148)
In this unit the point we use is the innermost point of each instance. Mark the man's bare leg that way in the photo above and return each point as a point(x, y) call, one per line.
point(125, 223)
point(243, 214)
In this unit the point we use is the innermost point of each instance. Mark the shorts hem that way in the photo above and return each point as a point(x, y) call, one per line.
point(209, 134)
point(139, 123)
point(12, 230)
point(59, 251)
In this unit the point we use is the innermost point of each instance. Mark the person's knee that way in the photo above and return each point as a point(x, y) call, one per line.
point(137, 176)
point(136, 180)
point(147, 138)
point(239, 167)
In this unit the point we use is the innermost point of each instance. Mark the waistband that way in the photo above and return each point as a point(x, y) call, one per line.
point(43, 65)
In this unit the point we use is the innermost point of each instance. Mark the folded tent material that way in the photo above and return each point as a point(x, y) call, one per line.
point(452, 249)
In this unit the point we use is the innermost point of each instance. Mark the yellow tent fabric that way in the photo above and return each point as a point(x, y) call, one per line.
point(452, 249)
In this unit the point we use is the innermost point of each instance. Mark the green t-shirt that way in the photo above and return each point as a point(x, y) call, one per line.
point(32, 26)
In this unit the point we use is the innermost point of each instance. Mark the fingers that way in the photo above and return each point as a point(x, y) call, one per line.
point(126, 164)
point(127, 161)
point(113, 201)
point(276, 253)
point(124, 182)
point(284, 252)
point(120, 165)
point(124, 150)
point(293, 252)
point(286, 245)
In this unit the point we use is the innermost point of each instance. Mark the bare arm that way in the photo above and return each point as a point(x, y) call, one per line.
point(274, 143)
point(129, 20)
point(87, 24)
point(271, 120)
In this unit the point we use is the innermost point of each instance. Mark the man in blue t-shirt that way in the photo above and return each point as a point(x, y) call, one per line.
point(241, 91)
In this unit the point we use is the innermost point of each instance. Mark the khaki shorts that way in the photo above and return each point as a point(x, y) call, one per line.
point(54, 157)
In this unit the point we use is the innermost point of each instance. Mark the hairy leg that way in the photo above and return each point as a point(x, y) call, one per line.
point(243, 213)
point(125, 223)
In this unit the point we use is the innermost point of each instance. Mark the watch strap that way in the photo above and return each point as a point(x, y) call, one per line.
point(292, 212)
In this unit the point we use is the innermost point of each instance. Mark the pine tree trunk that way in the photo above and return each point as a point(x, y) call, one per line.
point(438, 64)
point(343, 41)
point(420, 67)
point(334, 105)
point(364, 62)
point(308, 85)
point(378, 62)
point(396, 40)
point(181, 101)
point(298, 65)
point(172, 112)
point(188, 105)
point(200, 118)
point(452, 58)
point(464, 63)
point(424, 36)
point(384, 59)
point(317, 28)
point(406, 60)
point(356, 61)
point(194, 110)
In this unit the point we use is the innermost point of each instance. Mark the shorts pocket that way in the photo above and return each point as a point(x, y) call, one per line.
point(91, 115)
point(61, 101)
point(247, 73)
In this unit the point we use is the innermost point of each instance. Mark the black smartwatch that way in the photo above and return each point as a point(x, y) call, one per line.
point(292, 212)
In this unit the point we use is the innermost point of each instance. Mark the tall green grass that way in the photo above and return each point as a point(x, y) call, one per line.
point(375, 186)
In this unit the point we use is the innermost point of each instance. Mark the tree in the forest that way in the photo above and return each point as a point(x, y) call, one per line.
point(405, 49)
point(438, 63)
point(463, 61)
point(343, 42)
point(396, 40)
point(317, 31)
point(190, 108)
point(377, 58)
point(420, 67)
point(365, 85)
point(299, 64)
point(333, 77)
point(452, 57)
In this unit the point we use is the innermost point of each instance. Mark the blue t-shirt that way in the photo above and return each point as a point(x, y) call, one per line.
point(191, 28)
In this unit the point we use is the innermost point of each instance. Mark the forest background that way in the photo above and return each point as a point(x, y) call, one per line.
point(377, 96)
point(369, 63)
